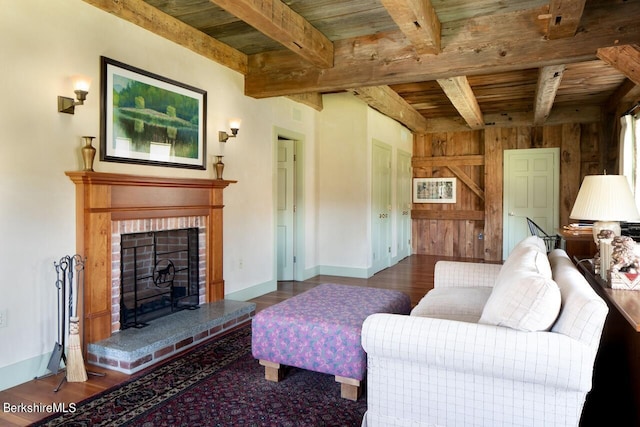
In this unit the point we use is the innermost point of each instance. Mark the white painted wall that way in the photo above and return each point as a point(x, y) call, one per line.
point(346, 132)
point(343, 198)
point(43, 44)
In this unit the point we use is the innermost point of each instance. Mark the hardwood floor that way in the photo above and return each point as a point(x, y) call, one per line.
point(413, 276)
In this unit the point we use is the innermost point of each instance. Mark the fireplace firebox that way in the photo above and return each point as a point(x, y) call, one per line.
point(158, 275)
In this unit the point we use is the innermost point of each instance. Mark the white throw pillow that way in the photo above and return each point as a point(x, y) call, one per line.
point(525, 257)
point(524, 300)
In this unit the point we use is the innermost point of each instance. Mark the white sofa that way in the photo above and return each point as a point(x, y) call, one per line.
point(490, 345)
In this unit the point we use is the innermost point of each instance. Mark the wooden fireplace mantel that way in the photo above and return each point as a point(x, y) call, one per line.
point(105, 197)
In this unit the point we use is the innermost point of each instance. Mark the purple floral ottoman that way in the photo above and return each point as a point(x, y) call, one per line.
point(320, 330)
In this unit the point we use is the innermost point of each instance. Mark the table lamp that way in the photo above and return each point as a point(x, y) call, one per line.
point(607, 200)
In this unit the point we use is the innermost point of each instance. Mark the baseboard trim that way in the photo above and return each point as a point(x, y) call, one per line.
point(23, 371)
point(360, 273)
point(253, 291)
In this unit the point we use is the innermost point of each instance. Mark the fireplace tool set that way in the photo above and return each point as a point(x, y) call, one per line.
point(68, 270)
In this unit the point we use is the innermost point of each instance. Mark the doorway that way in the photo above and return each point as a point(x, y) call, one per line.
point(286, 207)
point(531, 190)
point(289, 246)
point(381, 207)
point(403, 202)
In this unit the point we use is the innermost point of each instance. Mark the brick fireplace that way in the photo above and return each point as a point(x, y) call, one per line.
point(108, 204)
point(147, 227)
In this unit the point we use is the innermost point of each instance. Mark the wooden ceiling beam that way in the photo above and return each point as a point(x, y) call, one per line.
point(313, 100)
point(418, 21)
point(459, 92)
point(565, 18)
point(148, 17)
point(625, 59)
point(549, 79)
point(582, 114)
point(480, 45)
point(281, 23)
point(389, 103)
point(627, 94)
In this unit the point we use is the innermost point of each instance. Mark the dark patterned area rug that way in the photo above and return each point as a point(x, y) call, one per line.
point(218, 384)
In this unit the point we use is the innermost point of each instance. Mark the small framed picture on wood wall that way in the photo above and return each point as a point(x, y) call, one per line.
point(434, 190)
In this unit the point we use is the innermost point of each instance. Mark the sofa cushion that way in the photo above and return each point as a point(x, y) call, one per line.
point(462, 304)
point(525, 297)
point(528, 302)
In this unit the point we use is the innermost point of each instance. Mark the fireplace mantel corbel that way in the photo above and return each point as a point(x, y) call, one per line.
point(105, 197)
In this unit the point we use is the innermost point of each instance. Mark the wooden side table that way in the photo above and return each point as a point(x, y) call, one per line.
point(578, 243)
point(616, 380)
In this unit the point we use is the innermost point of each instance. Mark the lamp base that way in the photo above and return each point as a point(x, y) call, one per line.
point(598, 226)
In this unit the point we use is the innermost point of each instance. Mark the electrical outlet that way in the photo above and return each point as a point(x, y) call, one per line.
point(3, 317)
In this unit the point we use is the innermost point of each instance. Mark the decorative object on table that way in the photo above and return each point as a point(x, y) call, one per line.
point(607, 200)
point(235, 127)
point(434, 190)
point(602, 258)
point(88, 153)
point(150, 119)
point(625, 263)
point(219, 166)
point(81, 89)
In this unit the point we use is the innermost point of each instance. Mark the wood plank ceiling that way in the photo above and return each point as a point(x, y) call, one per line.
point(433, 65)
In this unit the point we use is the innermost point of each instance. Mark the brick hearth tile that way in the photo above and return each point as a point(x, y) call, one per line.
point(184, 343)
point(136, 363)
point(202, 335)
point(164, 351)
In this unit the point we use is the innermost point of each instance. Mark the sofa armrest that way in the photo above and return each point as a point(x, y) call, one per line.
point(465, 274)
point(546, 358)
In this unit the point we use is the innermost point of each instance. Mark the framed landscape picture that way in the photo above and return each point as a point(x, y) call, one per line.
point(149, 119)
point(434, 190)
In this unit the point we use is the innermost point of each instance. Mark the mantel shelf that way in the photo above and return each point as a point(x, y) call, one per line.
point(102, 178)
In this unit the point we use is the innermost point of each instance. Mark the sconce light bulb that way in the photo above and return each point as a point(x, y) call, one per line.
point(235, 124)
point(81, 84)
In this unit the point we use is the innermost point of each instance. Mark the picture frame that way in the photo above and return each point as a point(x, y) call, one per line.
point(149, 119)
point(434, 190)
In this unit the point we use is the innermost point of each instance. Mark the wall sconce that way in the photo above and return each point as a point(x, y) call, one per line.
point(235, 127)
point(81, 88)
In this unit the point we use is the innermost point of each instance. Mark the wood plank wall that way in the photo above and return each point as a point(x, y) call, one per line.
point(472, 227)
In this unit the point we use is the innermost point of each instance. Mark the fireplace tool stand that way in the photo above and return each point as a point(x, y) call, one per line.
point(65, 269)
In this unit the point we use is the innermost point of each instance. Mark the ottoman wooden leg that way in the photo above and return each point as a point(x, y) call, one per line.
point(349, 388)
point(272, 371)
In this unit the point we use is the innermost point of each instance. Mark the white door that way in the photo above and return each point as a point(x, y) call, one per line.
point(286, 209)
point(403, 205)
point(381, 207)
point(531, 189)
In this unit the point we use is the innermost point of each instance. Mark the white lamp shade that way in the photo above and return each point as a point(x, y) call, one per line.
point(605, 198)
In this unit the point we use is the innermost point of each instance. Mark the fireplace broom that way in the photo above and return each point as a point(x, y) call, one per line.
point(76, 371)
